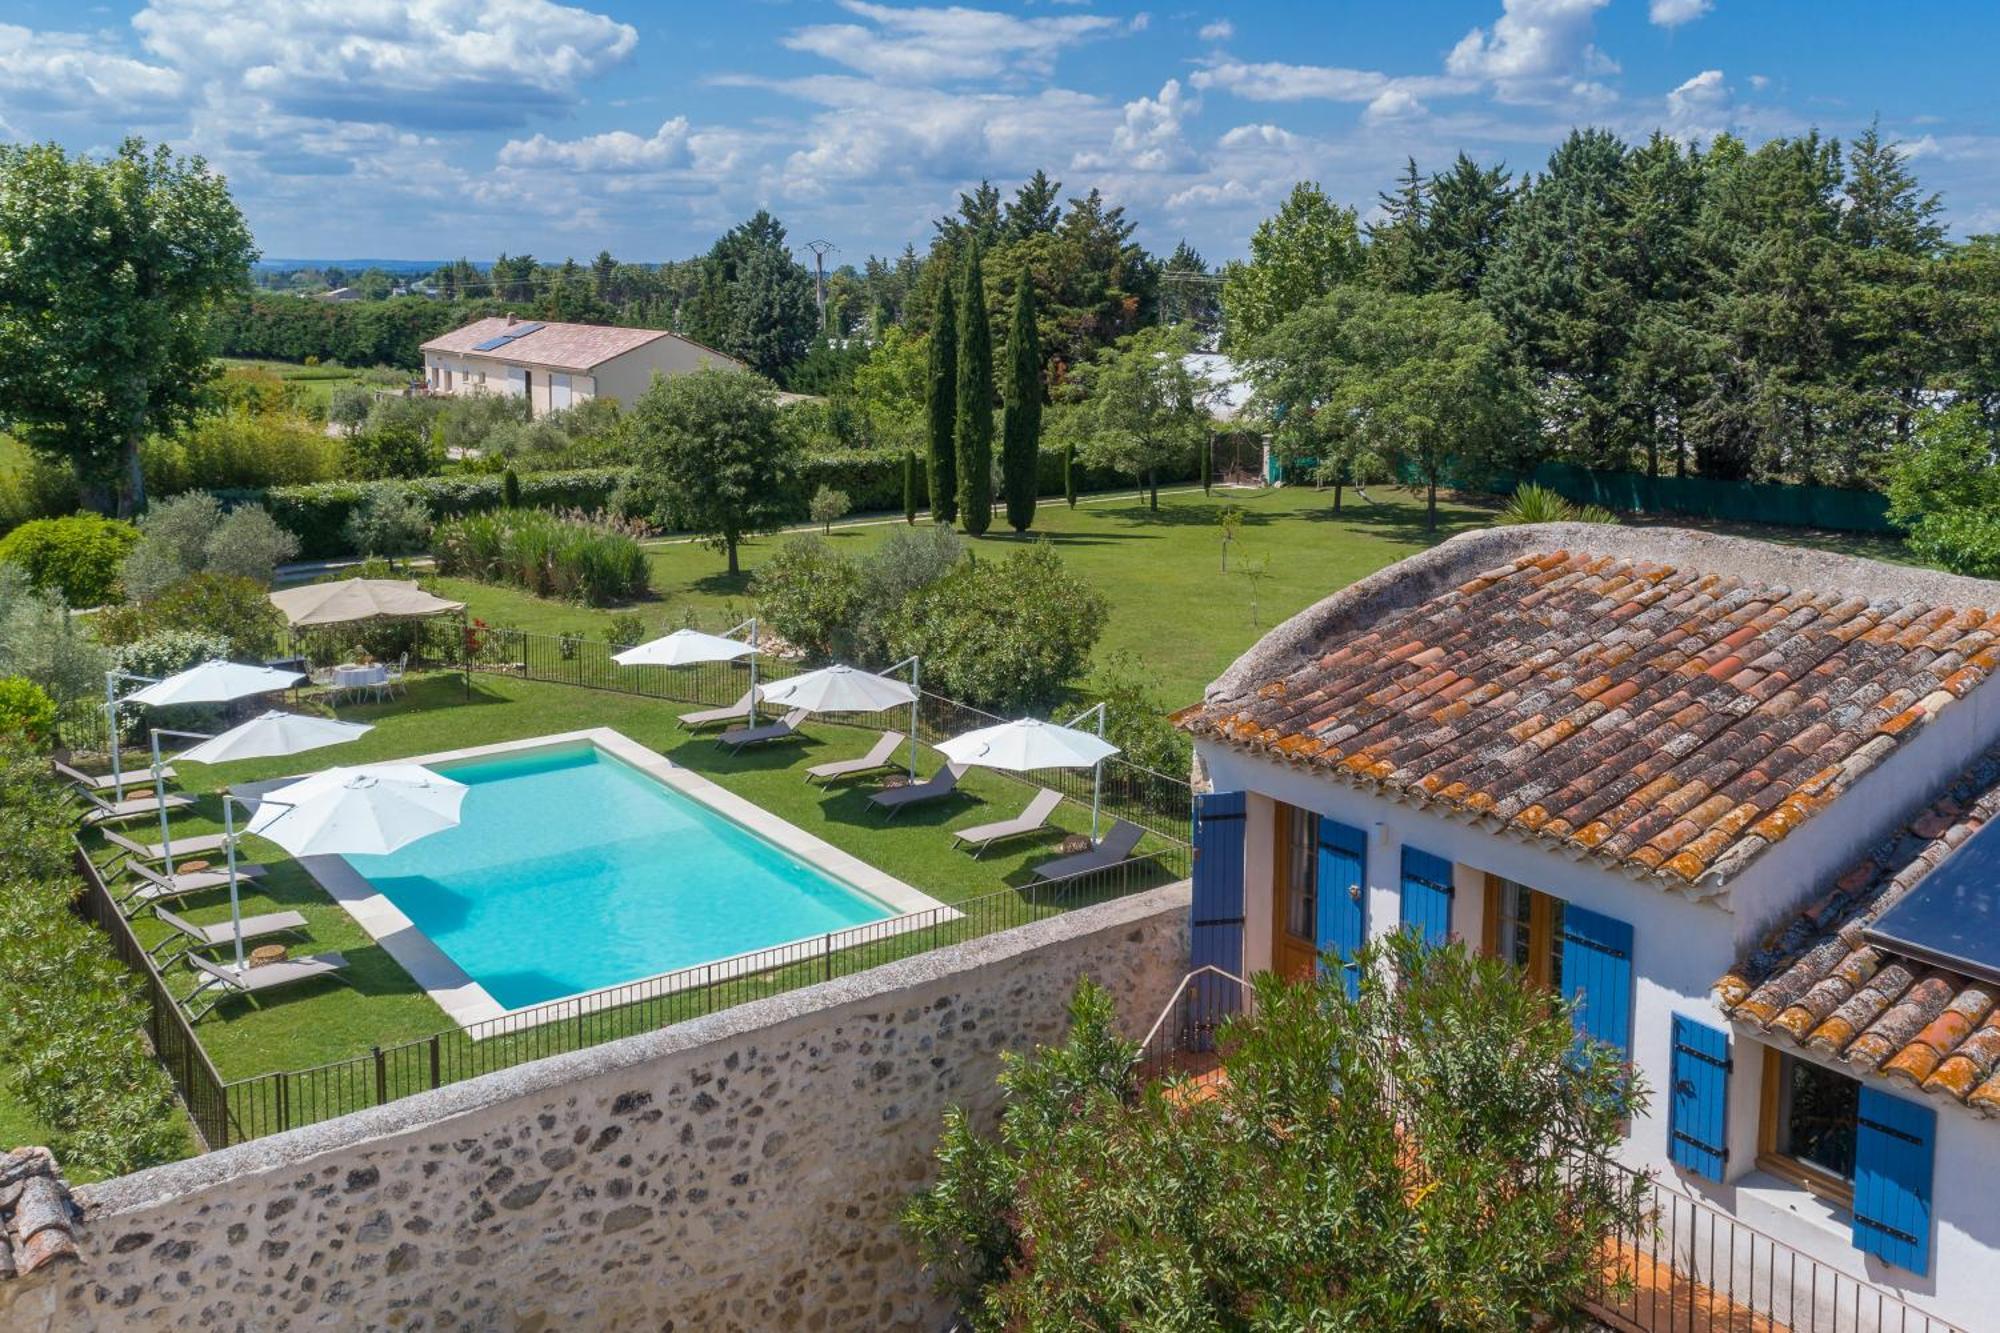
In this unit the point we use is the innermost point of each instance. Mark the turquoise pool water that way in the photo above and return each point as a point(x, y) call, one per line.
point(572, 870)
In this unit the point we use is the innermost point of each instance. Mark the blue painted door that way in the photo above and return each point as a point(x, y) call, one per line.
point(1217, 920)
point(1597, 975)
point(1341, 905)
point(1894, 1147)
point(1426, 899)
point(1698, 1112)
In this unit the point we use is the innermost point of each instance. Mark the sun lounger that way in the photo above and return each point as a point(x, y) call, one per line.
point(225, 980)
point(153, 886)
point(131, 777)
point(709, 717)
point(1113, 847)
point(1036, 816)
point(934, 788)
point(222, 932)
point(103, 811)
point(788, 725)
point(881, 756)
point(199, 845)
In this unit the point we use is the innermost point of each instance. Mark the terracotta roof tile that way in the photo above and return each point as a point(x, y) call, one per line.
point(1816, 981)
point(37, 1217)
point(1672, 720)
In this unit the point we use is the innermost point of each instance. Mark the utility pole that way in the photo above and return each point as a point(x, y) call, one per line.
point(819, 249)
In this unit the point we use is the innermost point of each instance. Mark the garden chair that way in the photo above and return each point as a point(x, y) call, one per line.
point(222, 932)
point(253, 981)
point(131, 777)
point(153, 851)
point(785, 727)
point(103, 812)
point(1036, 816)
point(708, 717)
point(1114, 847)
point(934, 788)
point(883, 755)
point(153, 886)
point(395, 683)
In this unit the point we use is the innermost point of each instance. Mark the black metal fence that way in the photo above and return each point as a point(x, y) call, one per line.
point(269, 1103)
point(174, 1042)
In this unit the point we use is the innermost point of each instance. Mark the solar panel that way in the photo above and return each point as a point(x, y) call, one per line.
point(1952, 918)
point(492, 343)
point(523, 330)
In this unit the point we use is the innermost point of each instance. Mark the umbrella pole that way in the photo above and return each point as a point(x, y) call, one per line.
point(753, 671)
point(111, 733)
point(917, 689)
point(160, 795)
point(235, 904)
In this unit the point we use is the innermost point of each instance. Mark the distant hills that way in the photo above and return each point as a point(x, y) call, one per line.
point(357, 265)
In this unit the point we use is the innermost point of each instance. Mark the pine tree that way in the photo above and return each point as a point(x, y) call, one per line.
point(941, 466)
point(1021, 439)
point(1398, 247)
point(974, 433)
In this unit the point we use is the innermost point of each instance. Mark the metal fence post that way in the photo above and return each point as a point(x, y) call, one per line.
point(436, 1063)
point(381, 1076)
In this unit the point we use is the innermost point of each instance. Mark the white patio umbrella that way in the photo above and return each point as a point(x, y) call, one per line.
point(1026, 744)
point(212, 682)
point(844, 689)
point(268, 735)
point(692, 647)
point(358, 811)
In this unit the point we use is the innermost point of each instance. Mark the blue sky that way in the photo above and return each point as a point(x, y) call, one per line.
point(367, 128)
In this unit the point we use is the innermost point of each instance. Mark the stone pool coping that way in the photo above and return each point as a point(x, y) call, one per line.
point(473, 1007)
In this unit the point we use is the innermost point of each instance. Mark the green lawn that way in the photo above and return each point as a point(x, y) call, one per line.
point(317, 382)
point(19, 1125)
point(325, 1023)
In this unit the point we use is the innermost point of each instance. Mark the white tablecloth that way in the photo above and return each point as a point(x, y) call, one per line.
point(360, 677)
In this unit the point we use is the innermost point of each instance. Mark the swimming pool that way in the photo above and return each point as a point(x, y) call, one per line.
point(573, 870)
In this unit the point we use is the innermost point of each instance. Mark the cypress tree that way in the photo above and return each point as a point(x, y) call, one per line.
point(1021, 436)
point(510, 490)
point(941, 466)
point(975, 402)
point(1069, 474)
point(910, 487)
point(1207, 462)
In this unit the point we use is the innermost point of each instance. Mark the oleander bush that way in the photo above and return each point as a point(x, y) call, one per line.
point(27, 712)
point(592, 560)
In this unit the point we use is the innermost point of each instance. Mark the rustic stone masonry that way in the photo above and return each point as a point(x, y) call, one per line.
point(742, 1171)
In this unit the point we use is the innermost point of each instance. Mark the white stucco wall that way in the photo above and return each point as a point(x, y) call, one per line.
point(626, 377)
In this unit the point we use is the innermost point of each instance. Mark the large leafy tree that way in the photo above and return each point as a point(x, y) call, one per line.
point(941, 403)
point(1137, 406)
point(1422, 382)
point(109, 272)
point(1021, 432)
point(709, 456)
point(972, 433)
point(1431, 1153)
point(1309, 247)
point(752, 299)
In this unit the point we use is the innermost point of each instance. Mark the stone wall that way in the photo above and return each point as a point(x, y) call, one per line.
point(742, 1171)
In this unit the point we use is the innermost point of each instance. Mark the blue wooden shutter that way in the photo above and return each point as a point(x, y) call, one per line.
point(1343, 916)
point(1698, 1115)
point(1426, 895)
point(1217, 922)
point(1597, 974)
point(1893, 1149)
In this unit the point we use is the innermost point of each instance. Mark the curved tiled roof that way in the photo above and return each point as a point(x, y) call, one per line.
point(37, 1218)
point(1664, 716)
point(1816, 982)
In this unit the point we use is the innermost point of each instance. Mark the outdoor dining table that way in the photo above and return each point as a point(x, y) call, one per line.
point(352, 679)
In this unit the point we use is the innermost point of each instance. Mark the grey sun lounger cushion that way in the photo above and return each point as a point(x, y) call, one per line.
point(131, 777)
point(199, 845)
point(1036, 816)
point(152, 884)
point(708, 717)
point(132, 806)
point(224, 977)
point(880, 756)
point(937, 786)
point(222, 932)
point(788, 725)
point(1114, 847)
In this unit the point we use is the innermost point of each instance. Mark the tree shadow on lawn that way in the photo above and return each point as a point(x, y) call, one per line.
point(723, 584)
point(1189, 515)
point(1399, 520)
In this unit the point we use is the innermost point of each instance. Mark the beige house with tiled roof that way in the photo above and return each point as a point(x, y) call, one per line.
point(556, 365)
point(1635, 761)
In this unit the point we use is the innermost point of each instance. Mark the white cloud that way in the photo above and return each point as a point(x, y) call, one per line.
point(428, 64)
point(60, 71)
point(1221, 30)
point(1673, 13)
point(1760, 82)
point(1150, 138)
point(1392, 104)
point(934, 44)
point(1700, 108)
point(1272, 81)
point(1535, 46)
point(619, 150)
point(1264, 136)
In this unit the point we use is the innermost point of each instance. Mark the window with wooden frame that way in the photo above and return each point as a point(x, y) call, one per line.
point(1808, 1125)
point(1524, 926)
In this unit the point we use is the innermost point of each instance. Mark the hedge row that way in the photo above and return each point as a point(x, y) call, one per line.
point(872, 479)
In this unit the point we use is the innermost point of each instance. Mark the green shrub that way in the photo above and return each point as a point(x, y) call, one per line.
point(71, 1017)
point(809, 595)
point(249, 544)
point(585, 560)
point(1006, 635)
point(78, 556)
point(235, 608)
point(27, 712)
point(40, 640)
point(389, 521)
point(233, 450)
point(1135, 717)
point(624, 630)
point(190, 534)
point(1539, 504)
point(827, 505)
